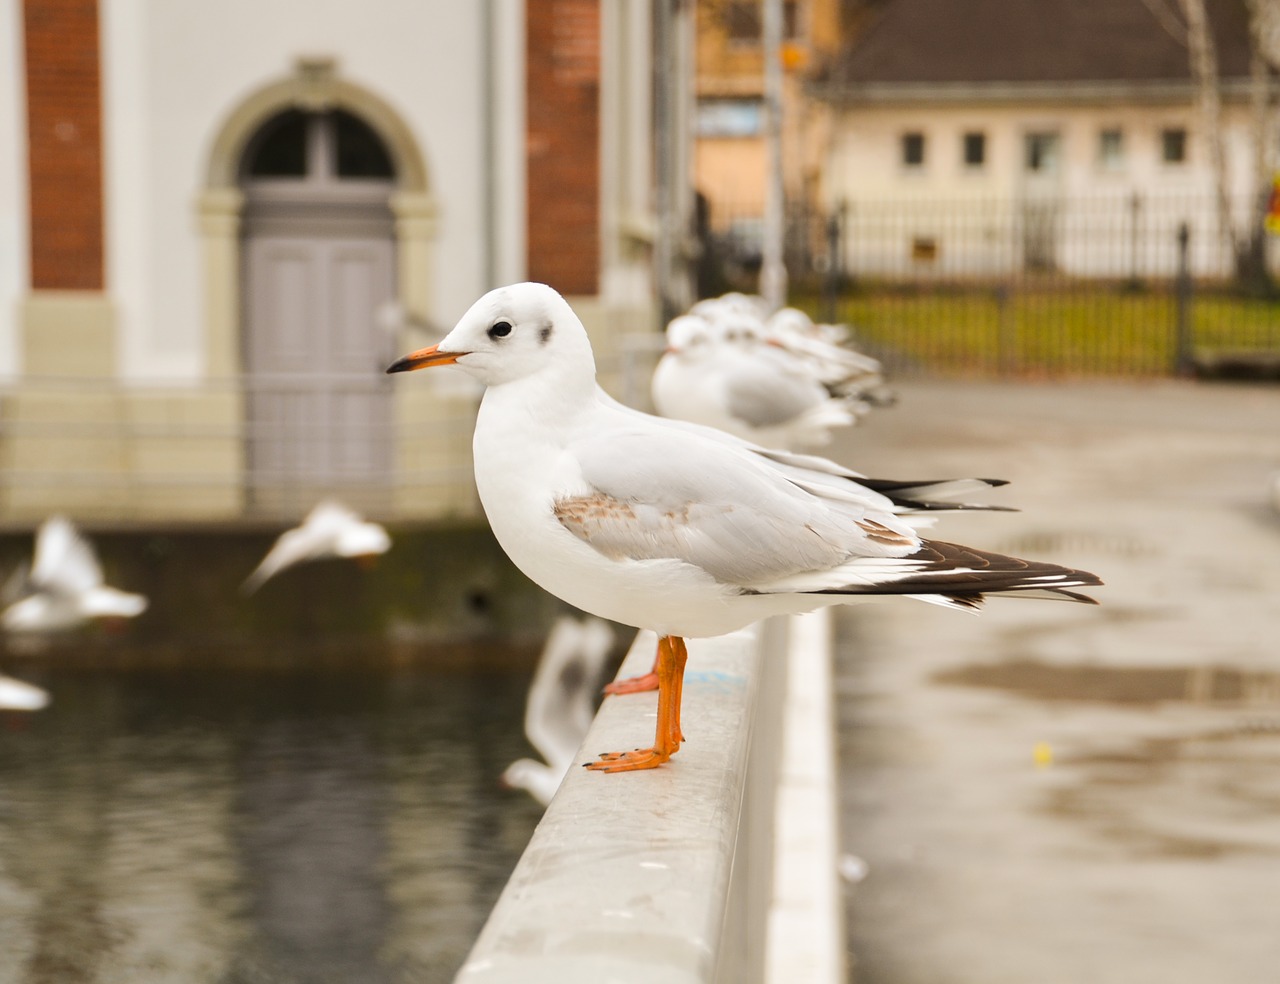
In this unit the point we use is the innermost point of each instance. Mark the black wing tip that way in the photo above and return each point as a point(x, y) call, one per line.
point(1076, 596)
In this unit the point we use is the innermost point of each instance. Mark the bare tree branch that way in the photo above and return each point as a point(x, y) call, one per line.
point(1167, 17)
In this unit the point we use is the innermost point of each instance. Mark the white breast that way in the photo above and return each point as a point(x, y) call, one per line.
point(520, 473)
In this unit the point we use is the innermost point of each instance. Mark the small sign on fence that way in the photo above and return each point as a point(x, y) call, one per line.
point(1272, 220)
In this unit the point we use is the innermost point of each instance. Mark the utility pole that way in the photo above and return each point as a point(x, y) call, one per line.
point(773, 271)
point(672, 109)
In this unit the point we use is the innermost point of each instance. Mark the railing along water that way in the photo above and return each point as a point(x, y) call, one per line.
point(672, 874)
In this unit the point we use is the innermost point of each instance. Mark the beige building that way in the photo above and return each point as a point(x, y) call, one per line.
point(1068, 122)
point(219, 222)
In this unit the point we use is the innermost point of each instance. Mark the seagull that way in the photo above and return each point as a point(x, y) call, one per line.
point(15, 695)
point(561, 703)
point(329, 530)
point(65, 587)
point(842, 369)
point(722, 374)
point(663, 525)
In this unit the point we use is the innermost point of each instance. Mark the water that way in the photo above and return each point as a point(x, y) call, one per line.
point(284, 826)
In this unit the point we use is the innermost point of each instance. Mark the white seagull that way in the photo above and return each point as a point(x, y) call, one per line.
point(18, 696)
point(561, 703)
point(842, 368)
point(329, 530)
point(662, 525)
point(65, 588)
point(722, 374)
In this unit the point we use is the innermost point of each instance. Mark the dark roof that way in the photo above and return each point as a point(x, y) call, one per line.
point(931, 42)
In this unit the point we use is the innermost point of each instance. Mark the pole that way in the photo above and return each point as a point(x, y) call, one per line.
point(773, 271)
point(663, 140)
point(1184, 355)
point(835, 271)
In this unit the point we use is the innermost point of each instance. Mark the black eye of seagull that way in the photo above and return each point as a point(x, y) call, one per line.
point(500, 330)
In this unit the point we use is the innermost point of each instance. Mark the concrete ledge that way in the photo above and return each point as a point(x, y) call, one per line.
point(805, 937)
point(627, 877)
point(720, 867)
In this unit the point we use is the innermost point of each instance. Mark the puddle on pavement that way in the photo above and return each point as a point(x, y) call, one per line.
point(1120, 684)
point(1201, 793)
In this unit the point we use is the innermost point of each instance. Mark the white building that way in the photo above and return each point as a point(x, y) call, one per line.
point(1072, 124)
point(219, 221)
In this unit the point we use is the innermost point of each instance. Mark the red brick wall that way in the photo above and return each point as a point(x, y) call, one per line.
point(563, 119)
point(64, 143)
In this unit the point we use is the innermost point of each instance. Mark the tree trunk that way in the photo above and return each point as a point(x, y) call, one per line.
point(1204, 75)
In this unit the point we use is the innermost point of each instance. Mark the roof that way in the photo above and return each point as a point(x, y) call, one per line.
point(1015, 43)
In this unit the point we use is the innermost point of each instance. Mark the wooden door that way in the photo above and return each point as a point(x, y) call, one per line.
point(319, 406)
point(318, 262)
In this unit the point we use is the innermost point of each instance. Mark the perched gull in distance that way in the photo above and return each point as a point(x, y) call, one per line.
point(18, 696)
point(722, 374)
point(842, 369)
point(733, 303)
point(330, 530)
point(663, 525)
point(793, 322)
point(561, 703)
point(65, 587)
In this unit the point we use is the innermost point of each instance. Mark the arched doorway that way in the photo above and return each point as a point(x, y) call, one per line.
point(318, 259)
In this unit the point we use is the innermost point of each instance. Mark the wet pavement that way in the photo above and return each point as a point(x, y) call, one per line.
point(1056, 793)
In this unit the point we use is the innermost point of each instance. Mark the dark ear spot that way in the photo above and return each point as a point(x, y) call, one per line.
point(544, 333)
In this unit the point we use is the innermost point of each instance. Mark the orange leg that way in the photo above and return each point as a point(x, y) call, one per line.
point(678, 646)
point(636, 684)
point(667, 737)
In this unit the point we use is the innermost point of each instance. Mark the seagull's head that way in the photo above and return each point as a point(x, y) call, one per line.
point(511, 333)
point(739, 332)
point(689, 337)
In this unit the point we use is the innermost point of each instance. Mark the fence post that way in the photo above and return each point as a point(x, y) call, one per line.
point(1183, 351)
point(1135, 224)
point(1006, 332)
point(835, 269)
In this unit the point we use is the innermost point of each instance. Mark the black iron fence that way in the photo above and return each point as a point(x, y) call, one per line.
point(1105, 285)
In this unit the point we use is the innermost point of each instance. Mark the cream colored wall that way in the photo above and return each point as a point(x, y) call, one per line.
point(863, 168)
point(864, 161)
point(731, 172)
point(74, 441)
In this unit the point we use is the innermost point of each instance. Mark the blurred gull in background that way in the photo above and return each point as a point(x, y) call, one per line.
point(780, 381)
point(329, 530)
point(561, 703)
point(65, 587)
point(18, 696)
point(722, 374)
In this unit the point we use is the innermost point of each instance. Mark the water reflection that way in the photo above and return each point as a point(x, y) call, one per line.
point(300, 826)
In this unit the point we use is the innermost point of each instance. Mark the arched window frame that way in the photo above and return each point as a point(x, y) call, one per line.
point(314, 86)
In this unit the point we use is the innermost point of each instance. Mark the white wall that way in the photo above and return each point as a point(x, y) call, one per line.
point(14, 216)
point(865, 169)
point(174, 71)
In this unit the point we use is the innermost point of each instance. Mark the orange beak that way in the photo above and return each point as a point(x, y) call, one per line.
point(424, 359)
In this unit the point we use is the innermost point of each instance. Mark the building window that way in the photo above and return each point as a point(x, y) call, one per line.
point(1042, 153)
point(913, 150)
point(1173, 145)
point(975, 150)
point(729, 118)
point(1110, 150)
